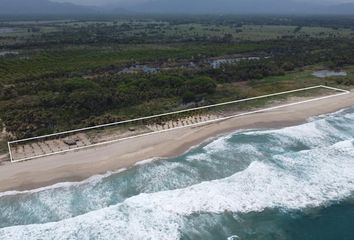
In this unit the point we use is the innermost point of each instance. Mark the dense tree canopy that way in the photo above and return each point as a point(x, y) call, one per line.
point(71, 74)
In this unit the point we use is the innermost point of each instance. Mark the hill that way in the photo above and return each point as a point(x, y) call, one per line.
point(242, 7)
point(47, 7)
point(41, 7)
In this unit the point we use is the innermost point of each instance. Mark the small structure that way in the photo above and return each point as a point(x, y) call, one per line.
point(70, 141)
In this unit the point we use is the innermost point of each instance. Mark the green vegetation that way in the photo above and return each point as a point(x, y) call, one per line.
point(88, 59)
point(3, 146)
point(74, 73)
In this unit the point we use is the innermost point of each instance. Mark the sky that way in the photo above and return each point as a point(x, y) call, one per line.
point(105, 2)
point(102, 2)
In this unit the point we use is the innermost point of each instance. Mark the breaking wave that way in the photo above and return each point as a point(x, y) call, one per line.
point(295, 168)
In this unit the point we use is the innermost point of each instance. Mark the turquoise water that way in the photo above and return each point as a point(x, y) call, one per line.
point(291, 183)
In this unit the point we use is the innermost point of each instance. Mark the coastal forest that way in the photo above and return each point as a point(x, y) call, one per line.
point(60, 73)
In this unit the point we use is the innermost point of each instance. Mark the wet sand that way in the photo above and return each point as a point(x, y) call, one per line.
point(76, 166)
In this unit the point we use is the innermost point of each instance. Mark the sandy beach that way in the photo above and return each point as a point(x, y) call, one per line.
point(76, 166)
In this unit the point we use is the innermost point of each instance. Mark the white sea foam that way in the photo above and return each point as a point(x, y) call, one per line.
point(333, 114)
point(118, 222)
point(300, 180)
point(150, 160)
point(311, 134)
point(217, 144)
point(223, 147)
point(233, 237)
point(289, 180)
point(163, 176)
point(91, 180)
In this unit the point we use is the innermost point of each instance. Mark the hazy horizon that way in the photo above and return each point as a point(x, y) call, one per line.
point(41, 7)
point(132, 2)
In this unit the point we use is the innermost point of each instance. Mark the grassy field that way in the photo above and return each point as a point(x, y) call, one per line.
point(292, 80)
point(254, 32)
point(305, 78)
point(151, 28)
point(78, 59)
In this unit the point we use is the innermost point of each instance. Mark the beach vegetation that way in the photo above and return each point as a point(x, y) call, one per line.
point(84, 72)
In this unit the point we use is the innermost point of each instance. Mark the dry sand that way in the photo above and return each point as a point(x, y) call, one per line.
point(76, 166)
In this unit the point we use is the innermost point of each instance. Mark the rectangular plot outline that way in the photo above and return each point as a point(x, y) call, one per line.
point(342, 92)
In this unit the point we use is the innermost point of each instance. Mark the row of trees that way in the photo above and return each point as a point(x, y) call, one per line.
point(63, 103)
point(48, 92)
point(164, 29)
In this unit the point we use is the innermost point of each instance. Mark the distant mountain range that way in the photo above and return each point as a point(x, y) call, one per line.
point(243, 7)
point(47, 7)
point(42, 7)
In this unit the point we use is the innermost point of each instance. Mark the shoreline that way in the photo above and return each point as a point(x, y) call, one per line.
point(81, 165)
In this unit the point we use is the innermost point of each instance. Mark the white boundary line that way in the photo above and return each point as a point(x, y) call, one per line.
point(10, 152)
point(176, 112)
point(343, 92)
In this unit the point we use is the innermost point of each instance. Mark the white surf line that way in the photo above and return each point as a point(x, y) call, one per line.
point(343, 92)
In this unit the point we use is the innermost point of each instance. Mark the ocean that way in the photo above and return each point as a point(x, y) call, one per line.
point(290, 183)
